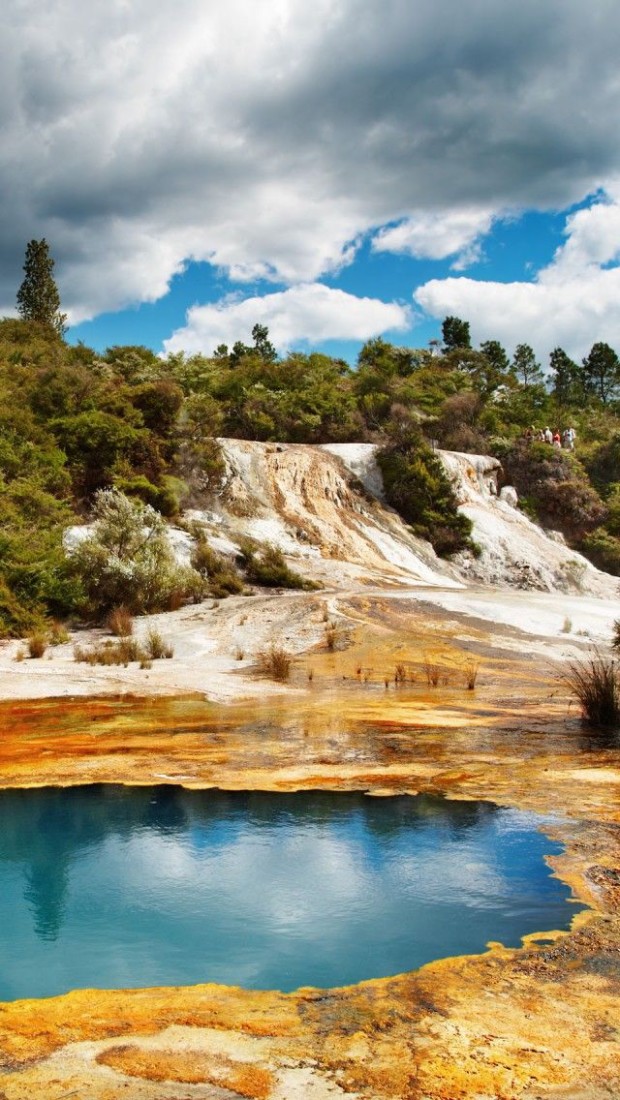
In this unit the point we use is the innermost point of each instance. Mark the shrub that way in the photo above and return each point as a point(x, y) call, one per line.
point(556, 486)
point(127, 560)
point(417, 486)
point(222, 578)
point(275, 662)
point(596, 685)
point(616, 638)
point(266, 566)
point(603, 550)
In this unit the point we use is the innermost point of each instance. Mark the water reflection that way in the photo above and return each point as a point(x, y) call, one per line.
point(114, 886)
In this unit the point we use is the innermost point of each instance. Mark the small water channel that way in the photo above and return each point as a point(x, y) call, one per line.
point(109, 886)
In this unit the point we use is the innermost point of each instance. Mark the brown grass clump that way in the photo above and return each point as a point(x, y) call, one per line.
point(120, 622)
point(275, 662)
point(37, 644)
point(596, 685)
point(58, 633)
point(156, 647)
point(470, 672)
point(124, 652)
point(432, 671)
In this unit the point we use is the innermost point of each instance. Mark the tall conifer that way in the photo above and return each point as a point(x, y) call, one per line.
point(38, 298)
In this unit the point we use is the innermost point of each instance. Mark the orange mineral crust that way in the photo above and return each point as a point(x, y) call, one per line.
point(530, 1023)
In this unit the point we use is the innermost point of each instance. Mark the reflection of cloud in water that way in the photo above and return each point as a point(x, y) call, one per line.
point(263, 890)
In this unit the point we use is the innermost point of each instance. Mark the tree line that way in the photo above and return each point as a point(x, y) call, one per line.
point(74, 423)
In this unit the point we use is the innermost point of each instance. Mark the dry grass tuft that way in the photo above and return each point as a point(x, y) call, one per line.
point(275, 662)
point(432, 671)
point(124, 652)
point(120, 622)
point(596, 685)
point(37, 644)
point(470, 672)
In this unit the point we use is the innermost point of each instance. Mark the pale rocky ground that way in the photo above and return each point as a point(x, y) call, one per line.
point(340, 533)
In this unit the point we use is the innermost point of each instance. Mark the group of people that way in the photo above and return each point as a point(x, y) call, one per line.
point(554, 439)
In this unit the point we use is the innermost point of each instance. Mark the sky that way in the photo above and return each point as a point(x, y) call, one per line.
point(338, 171)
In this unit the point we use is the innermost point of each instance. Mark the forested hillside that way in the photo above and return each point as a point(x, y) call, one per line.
point(73, 422)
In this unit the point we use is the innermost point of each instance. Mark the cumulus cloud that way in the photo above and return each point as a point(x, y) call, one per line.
point(434, 236)
point(269, 138)
point(307, 312)
point(572, 302)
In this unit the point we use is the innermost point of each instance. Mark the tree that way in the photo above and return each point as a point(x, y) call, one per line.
point(601, 372)
point(38, 298)
point(525, 366)
point(262, 343)
point(455, 334)
point(496, 355)
point(566, 378)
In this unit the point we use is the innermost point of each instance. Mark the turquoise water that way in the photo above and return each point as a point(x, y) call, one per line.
point(110, 886)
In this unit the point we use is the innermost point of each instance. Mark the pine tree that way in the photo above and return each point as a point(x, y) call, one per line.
point(38, 298)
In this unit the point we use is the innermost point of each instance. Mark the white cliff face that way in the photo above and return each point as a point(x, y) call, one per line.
point(515, 551)
point(304, 500)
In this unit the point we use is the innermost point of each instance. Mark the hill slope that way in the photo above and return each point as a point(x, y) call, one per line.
point(322, 505)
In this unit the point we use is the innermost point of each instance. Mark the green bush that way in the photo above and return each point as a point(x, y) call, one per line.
point(556, 486)
point(265, 566)
point(417, 486)
point(222, 579)
point(127, 559)
point(603, 550)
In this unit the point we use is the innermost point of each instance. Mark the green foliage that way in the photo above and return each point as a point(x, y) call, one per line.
point(495, 354)
point(555, 484)
point(601, 372)
point(94, 442)
point(603, 549)
point(266, 566)
point(163, 498)
point(127, 560)
point(417, 485)
point(567, 379)
point(222, 579)
point(525, 366)
point(455, 333)
point(38, 298)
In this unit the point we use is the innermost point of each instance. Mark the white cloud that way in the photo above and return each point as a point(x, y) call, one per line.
point(436, 235)
point(572, 302)
point(307, 312)
point(267, 138)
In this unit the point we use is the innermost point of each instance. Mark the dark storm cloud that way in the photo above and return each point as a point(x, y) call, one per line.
point(265, 137)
